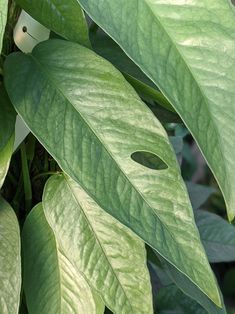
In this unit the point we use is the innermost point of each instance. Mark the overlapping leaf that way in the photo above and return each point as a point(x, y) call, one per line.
point(187, 48)
point(111, 257)
point(7, 126)
point(63, 17)
point(5, 157)
point(10, 260)
point(52, 284)
point(92, 121)
point(218, 236)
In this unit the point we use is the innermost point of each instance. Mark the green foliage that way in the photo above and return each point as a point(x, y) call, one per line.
point(10, 260)
point(193, 68)
point(106, 113)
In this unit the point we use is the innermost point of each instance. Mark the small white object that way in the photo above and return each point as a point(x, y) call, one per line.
point(28, 33)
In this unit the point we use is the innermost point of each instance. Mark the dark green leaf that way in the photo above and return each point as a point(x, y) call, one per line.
point(199, 194)
point(217, 235)
point(7, 118)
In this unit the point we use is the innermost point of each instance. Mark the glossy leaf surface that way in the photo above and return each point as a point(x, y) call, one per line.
point(91, 121)
point(52, 283)
point(63, 17)
point(10, 260)
point(217, 235)
point(187, 48)
point(111, 257)
point(5, 158)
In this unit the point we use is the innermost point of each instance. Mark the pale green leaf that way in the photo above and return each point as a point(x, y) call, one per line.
point(65, 18)
point(217, 235)
point(10, 260)
point(92, 121)
point(5, 158)
point(111, 257)
point(187, 48)
point(3, 19)
point(52, 284)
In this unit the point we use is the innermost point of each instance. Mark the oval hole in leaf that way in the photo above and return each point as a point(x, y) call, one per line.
point(149, 160)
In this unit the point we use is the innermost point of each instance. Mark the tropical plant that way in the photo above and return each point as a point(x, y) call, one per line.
point(98, 208)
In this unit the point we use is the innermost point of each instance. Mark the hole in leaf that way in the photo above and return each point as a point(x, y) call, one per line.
point(149, 160)
point(24, 29)
point(233, 2)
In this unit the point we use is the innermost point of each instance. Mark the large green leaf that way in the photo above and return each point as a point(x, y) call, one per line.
point(187, 48)
point(92, 121)
point(10, 265)
point(3, 19)
point(111, 257)
point(217, 235)
point(52, 284)
point(63, 17)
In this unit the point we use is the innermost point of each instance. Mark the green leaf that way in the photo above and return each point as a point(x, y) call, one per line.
point(199, 194)
point(5, 158)
point(186, 286)
point(10, 265)
point(170, 300)
point(111, 257)
point(7, 118)
point(217, 235)
point(52, 284)
point(92, 121)
point(3, 19)
point(7, 127)
point(65, 18)
point(187, 48)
